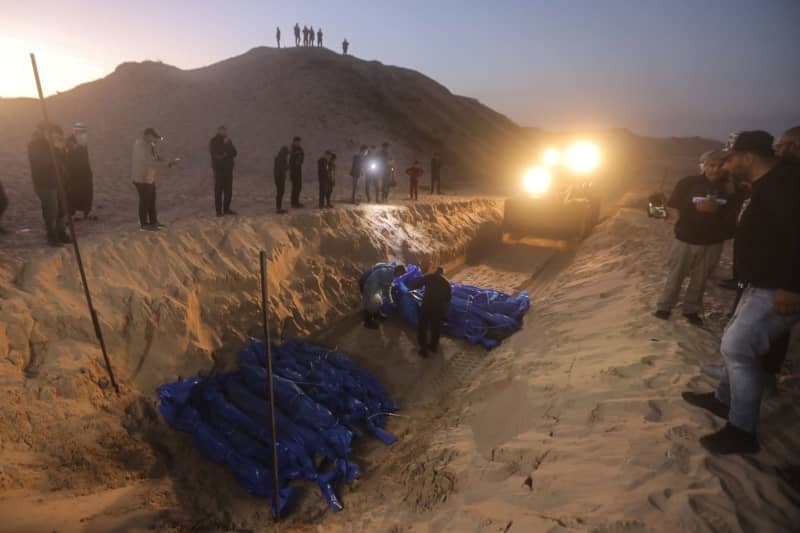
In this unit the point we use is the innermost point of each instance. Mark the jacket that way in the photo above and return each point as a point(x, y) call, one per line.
point(145, 162)
point(281, 165)
point(222, 154)
point(296, 161)
point(323, 170)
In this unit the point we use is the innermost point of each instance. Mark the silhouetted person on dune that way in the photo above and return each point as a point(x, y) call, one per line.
point(305, 35)
point(223, 154)
point(79, 180)
point(278, 36)
point(297, 34)
point(319, 37)
point(45, 180)
point(345, 46)
point(311, 34)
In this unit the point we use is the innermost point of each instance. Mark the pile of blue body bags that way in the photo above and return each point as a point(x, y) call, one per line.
point(476, 314)
point(322, 399)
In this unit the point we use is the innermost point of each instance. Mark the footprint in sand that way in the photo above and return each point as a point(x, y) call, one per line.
point(706, 513)
point(660, 499)
point(681, 433)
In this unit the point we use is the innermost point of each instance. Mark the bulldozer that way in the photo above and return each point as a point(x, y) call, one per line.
point(559, 198)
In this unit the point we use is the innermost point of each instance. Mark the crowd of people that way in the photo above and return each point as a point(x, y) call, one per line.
point(747, 192)
point(306, 36)
point(74, 194)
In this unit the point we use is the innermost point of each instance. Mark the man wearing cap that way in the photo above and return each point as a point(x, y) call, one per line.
point(767, 256)
point(79, 183)
point(700, 231)
point(146, 162)
point(223, 153)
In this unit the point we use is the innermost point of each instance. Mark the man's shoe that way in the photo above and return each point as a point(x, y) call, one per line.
point(707, 401)
point(230, 212)
point(219, 214)
point(298, 205)
point(55, 243)
point(663, 315)
point(730, 439)
point(64, 239)
point(730, 284)
point(423, 353)
point(149, 227)
point(282, 211)
point(694, 319)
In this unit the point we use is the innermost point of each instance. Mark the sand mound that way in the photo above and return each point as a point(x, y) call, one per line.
point(265, 96)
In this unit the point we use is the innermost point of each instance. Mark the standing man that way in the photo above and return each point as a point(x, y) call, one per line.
point(436, 169)
point(222, 155)
point(357, 169)
point(387, 176)
point(146, 162)
point(278, 35)
point(345, 47)
point(319, 37)
point(324, 177)
point(280, 169)
point(296, 34)
point(296, 157)
point(435, 302)
point(373, 170)
point(768, 262)
point(79, 183)
point(700, 231)
point(305, 35)
point(45, 181)
point(415, 173)
point(311, 34)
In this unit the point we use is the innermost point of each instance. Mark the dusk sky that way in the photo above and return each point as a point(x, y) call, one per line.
point(661, 67)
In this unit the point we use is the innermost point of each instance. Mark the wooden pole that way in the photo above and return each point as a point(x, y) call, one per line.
point(63, 199)
point(270, 382)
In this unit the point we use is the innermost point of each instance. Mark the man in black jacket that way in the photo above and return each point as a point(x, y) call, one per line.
point(222, 155)
point(768, 262)
point(45, 180)
point(435, 302)
point(700, 231)
point(296, 157)
point(280, 169)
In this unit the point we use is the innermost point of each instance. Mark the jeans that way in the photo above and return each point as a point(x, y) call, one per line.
point(373, 181)
point(429, 320)
point(147, 203)
point(693, 260)
point(52, 213)
point(280, 188)
point(223, 191)
point(754, 328)
point(297, 186)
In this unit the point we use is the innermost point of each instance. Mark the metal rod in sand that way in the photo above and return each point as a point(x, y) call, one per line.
point(63, 199)
point(270, 383)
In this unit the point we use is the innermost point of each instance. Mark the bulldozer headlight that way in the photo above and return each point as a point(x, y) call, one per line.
point(537, 180)
point(583, 157)
point(551, 157)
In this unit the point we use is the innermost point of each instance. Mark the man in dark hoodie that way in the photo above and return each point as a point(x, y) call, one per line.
point(222, 155)
point(280, 169)
point(45, 180)
point(296, 157)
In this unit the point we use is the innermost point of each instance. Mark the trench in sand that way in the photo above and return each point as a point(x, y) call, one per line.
point(420, 386)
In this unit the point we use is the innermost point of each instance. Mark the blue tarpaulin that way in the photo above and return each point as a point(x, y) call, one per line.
point(478, 315)
point(322, 399)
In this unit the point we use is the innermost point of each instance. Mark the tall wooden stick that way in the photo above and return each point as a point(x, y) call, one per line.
point(63, 199)
point(270, 382)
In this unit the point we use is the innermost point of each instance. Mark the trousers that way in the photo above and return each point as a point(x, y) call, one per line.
point(147, 203)
point(280, 189)
point(223, 191)
point(695, 261)
point(429, 321)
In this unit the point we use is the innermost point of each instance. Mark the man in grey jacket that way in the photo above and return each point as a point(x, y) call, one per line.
point(146, 163)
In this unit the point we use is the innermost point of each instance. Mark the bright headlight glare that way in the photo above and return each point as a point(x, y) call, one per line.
point(583, 157)
point(551, 157)
point(537, 180)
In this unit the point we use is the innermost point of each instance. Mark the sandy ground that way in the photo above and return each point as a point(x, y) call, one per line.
point(573, 424)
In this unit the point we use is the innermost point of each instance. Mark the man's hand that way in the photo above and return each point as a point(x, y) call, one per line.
point(786, 303)
point(707, 206)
